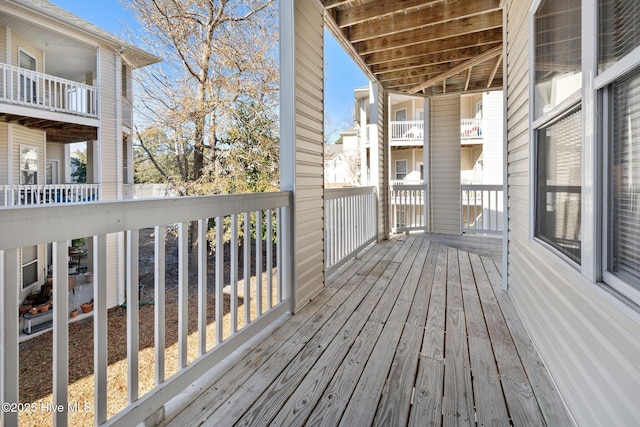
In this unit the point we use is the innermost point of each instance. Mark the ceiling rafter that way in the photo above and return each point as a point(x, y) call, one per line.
point(494, 70)
point(439, 14)
point(431, 33)
point(458, 69)
point(379, 9)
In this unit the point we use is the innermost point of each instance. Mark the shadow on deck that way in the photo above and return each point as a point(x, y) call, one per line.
point(414, 332)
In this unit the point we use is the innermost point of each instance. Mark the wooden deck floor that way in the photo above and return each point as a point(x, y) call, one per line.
point(414, 332)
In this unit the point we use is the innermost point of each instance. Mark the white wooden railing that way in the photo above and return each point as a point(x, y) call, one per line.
point(470, 128)
point(482, 208)
point(25, 195)
point(57, 224)
point(350, 223)
point(39, 90)
point(406, 130)
point(408, 207)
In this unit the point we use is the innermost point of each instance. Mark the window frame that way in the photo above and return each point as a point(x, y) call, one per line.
point(546, 119)
point(20, 163)
point(603, 84)
point(406, 169)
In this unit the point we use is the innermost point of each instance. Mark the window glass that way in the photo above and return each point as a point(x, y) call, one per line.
point(27, 61)
point(401, 169)
point(619, 31)
point(28, 165)
point(559, 180)
point(624, 185)
point(557, 53)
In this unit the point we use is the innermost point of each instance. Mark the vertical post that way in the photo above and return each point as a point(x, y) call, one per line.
point(159, 303)
point(288, 141)
point(60, 332)
point(219, 278)
point(100, 327)
point(9, 356)
point(133, 336)
point(426, 146)
point(183, 293)
point(234, 273)
point(202, 286)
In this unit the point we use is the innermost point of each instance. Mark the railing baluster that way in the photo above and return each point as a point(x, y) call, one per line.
point(159, 302)
point(60, 331)
point(100, 327)
point(9, 356)
point(202, 286)
point(247, 268)
point(259, 263)
point(234, 273)
point(183, 293)
point(133, 335)
point(219, 278)
point(269, 268)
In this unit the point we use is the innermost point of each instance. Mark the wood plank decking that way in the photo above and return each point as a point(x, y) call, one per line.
point(414, 332)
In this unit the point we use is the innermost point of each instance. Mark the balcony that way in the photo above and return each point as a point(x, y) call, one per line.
point(27, 195)
point(414, 329)
point(470, 129)
point(406, 133)
point(19, 86)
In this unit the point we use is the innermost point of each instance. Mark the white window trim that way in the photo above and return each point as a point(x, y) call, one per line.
point(21, 169)
point(26, 52)
point(395, 115)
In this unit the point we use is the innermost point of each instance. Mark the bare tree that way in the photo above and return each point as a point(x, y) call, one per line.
point(216, 55)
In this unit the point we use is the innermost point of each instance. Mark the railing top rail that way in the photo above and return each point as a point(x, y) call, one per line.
point(479, 187)
point(336, 193)
point(61, 222)
point(408, 122)
point(400, 187)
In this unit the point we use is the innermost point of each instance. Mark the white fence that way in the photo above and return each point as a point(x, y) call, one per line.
point(408, 207)
point(482, 209)
point(39, 90)
point(267, 296)
point(350, 223)
point(470, 128)
point(26, 195)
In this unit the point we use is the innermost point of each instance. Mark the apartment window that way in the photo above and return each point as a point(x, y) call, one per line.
point(29, 266)
point(401, 169)
point(619, 39)
point(557, 126)
point(28, 165)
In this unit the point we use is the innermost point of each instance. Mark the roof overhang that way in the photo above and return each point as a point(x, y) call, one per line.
point(422, 47)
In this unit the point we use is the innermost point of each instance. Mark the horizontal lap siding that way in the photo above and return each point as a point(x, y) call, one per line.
point(309, 204)
point(445, 164)
point(4, 153)
point(589, 344)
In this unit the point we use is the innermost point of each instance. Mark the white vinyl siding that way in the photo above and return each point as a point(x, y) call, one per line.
point(4, 153)
point(445, 164)
point(589, 341)
point(309, 204)
point(492, 135)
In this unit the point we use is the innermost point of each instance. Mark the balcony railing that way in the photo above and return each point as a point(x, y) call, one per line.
point(482, 208)
point(408, 207)
point(470, 128)
point(350, 223)
point(265, 216)
point(33, 89)
point(26, 195)
point(407, 131)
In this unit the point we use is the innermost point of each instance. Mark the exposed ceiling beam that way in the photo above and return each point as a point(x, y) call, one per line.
point(494, 70)
point(452, 56)
point(432, 33)
point(458, 69)
point(466, 84)
point(423, 51)
point(378, 9)
point(330, 4)
point(438, 14)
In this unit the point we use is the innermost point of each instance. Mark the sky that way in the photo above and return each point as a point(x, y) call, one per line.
point(342, 76)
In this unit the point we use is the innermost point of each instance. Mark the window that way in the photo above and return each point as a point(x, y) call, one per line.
point(28, 165)
point(27, 80)
point(557, 126)
point(29, 266)
point(557, 53)
point(401, 169)
point(559, 184)
point(619, 39)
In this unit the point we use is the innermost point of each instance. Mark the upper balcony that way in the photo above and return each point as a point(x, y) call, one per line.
point(28, 195)
point(410, 133)
point(41, 91)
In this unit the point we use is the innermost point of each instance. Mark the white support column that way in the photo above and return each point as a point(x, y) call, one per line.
point(9, 356)
point(60, 332)
point(301, 65)
point(426, 146)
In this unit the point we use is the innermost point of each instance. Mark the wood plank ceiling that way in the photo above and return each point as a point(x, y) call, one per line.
point(423, 47)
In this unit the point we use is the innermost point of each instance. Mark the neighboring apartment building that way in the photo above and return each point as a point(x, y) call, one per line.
point(479, 158)
point(63, 81)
